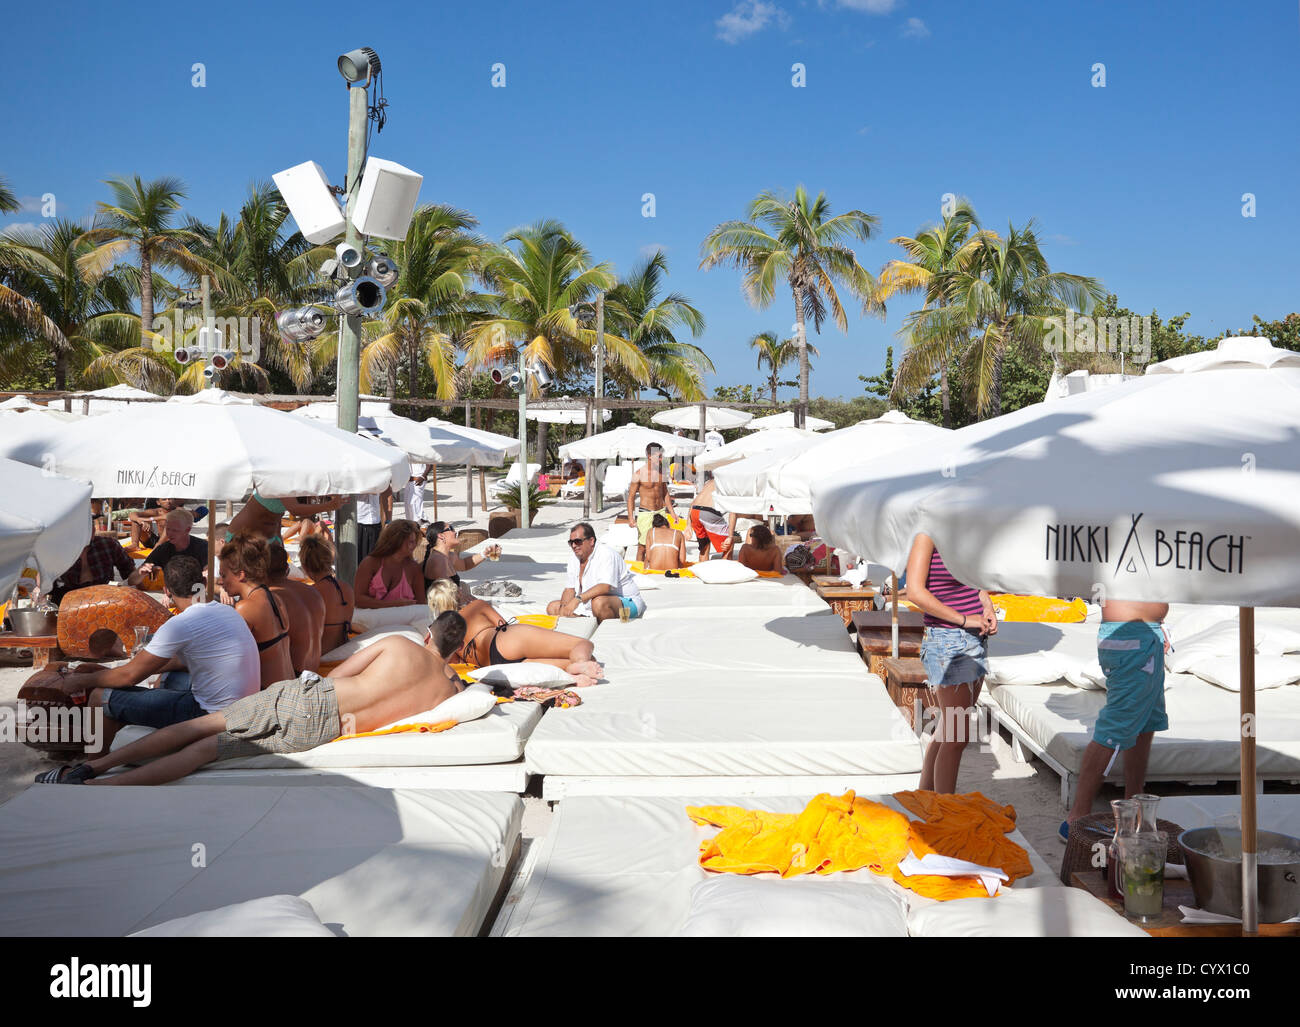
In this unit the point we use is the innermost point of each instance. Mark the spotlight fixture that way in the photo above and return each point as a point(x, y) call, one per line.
point(208, 372)
point(301, 325)
point(221, 360)
point(359, 65)
point(182, 356)
point(362, 296)
point(514, 380)
point(348, 256)
point(383, 270)
point(540, 375)
point(583, 313)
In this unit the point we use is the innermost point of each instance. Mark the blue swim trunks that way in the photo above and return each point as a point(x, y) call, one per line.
point(635, 607)
point(1132, 656)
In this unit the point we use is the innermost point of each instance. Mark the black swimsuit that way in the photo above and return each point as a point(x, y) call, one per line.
point(494, 654)
point(264, 646)
point(346, 624)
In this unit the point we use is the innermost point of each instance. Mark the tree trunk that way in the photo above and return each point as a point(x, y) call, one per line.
point(943, 394)
point(541, 442)
point(391, 374)
point(146, 294)
point(802, 338)
point(413, 367)
point(995, 386)
point(773, 381)
point(61, 371)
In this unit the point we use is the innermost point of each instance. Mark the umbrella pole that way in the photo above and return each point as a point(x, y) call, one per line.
point(435, 492)
point(212, 550)
point(893, 620)
point(1249, 841)
point(482, 490)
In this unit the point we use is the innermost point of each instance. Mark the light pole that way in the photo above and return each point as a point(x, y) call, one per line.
point(524, 477)
point(585, 313)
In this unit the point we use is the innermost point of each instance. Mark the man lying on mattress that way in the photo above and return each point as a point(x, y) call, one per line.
point(390, 680)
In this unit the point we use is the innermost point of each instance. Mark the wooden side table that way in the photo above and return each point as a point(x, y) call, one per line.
point(1170, 923)
point(844, 599)
point(44, 647)
point(905, 680)
point(875, 638)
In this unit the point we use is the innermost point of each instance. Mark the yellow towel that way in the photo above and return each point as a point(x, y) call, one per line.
point(639, 567)
point(1039, 608)
point(538, 620)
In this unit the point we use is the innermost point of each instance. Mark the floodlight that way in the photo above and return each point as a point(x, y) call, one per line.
point(208, 373)
point(182, 356)
point(329, 269)
point(301, 325)
point(359, 65)
point(386, 199)
point(311, 201)
point(349, 256)
point(513, 380)
point(540, 375)
point(363, 296)
point(383, 270)
point(221, 360)
point(583, 313)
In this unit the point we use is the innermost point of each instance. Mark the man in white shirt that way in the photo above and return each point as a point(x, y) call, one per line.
point(598, 584)
point(713, 440)
point(369, 522)
point(413, 495)
point(207, 651)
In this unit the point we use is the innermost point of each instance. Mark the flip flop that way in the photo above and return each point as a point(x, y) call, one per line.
point(71, 775)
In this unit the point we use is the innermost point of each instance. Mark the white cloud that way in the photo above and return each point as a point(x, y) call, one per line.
point(915, 29)
point(30, 204)
point(651, 248)
point(869, 6)
point(747, 18)
point(20, 226)
point(1063, 240)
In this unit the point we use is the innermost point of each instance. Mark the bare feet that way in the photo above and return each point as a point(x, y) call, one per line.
point(587, 668)
point(585, 681)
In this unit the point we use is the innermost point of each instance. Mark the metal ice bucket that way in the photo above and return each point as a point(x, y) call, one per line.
point(32, 622)
point(1216, 882)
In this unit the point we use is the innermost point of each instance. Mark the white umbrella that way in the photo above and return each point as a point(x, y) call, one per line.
point(785, 419)
point(214, 397)
point(1181, 485)
point(556, 415)
point(628, 442)
point(753, 444)
point(105, 401)
point(419, 442)
point(784, 477)
point(44, 518)
point(716, 418)
point(488, 447)
point(20, 403)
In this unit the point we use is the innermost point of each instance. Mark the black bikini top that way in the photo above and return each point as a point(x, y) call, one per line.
point(346, 624)
point(284, 633)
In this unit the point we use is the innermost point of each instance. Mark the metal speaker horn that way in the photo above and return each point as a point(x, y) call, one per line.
point(363, 296)
point(540, 375)
point(348, 256)
point(301, 325)
point(383, 270)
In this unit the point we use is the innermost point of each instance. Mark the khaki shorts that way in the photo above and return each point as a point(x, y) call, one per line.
point(292, 716)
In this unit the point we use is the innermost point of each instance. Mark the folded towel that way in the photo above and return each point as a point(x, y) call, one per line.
point(946, 866)
point(1192, 915)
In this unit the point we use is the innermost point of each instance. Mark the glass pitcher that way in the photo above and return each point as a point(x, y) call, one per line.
point(1127, 815)
point(1148, 803)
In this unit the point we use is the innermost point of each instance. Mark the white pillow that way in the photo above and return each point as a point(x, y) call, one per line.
point(1272, 640)
point(646, 582)
point(1270, 671)
point(368, 638)
point(766, 906)
point(621, 536)
point(723, 572)
point(473, 702)
point(1189, 650)
point(1089, 675)
point(1022, 913)
point(580, 627)
point(1029, 669)
point(276, 916)
point(518, 674)
point(1186, 619)
point(414, 615)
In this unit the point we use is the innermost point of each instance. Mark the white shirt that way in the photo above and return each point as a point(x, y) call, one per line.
point(217, 648)
point(713, 440)
point(604, 567)
point(368, 508)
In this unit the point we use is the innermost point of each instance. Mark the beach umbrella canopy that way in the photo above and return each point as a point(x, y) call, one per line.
point(209, 450)
point(1180, 485)
point(214, 397)
point(753, 444)
point(784, 477)
point(20, 403)
point(716, 418)
point(785, 419)
point(483, 448)
point(628, 442)
point(44, 519)
point(105, 401)
point(550, 415)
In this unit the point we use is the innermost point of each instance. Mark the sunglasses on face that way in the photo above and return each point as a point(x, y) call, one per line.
point(576, 542)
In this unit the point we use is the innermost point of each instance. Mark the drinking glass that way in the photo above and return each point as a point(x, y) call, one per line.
point(1142, 870)
point(141, 638)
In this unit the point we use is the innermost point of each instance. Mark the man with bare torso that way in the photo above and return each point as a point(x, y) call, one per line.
point(1131, 646)
point(649, 486)
point(261, 515)
point(388, 681)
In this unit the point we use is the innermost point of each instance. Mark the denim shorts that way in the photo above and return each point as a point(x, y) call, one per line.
point(953, 656)
point(151, 707)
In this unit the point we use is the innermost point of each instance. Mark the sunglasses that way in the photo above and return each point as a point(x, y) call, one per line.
point(576, 542)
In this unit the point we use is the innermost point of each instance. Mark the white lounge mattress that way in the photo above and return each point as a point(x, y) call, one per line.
point(110, 861)
point(620, 867)
point(1203, 736)
point(498, 737)
point(745, 723)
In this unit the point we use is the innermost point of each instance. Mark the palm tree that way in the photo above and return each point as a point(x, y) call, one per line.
point(636, 311)
point(1002, 299)
point(934, 253)
point(81, 316)
point(8, 201)
point(432, 303)
point(796, 240)
point(140, 219)
point(776, 353)
point(535, 275)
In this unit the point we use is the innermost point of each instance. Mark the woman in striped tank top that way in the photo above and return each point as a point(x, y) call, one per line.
point(958, 621)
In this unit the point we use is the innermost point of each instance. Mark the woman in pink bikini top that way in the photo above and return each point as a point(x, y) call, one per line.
point(389, 576)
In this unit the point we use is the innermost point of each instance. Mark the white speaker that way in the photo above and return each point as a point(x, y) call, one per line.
point(386, 199)
point(311, 202)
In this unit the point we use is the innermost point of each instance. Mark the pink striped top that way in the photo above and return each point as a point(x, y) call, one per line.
point(951, 592)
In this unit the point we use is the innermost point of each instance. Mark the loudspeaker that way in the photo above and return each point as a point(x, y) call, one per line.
point(311, 201)
point(362, 296)
point(386, 199)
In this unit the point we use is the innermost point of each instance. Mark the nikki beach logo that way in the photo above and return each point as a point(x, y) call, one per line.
point(155, 477)
point(1184, 550)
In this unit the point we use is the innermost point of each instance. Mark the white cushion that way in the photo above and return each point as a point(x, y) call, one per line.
point(580, 627)
point(730, 906)
point(1275, 641)
point(723, 572)
point(276, 916)
point(1022, 913)
point(368, 638)
point(473, 702)
point(646, 582)
point(620, 536)
point(1089, 675)
point(1029, 669)
point(1218, 640)
point(518, 674)
point(415, 615)
point(1270, 671)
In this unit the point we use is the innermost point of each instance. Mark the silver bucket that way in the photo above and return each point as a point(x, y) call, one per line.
point(1216, 882)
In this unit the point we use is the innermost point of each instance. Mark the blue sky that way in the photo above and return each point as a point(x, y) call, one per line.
point(1138, 183)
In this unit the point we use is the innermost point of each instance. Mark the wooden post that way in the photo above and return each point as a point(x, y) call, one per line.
point(1249, 842)
point(893, 620)
point(211, 593)
point(482, 488)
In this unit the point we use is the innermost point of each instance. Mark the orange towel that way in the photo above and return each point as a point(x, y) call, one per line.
point(970, 827)
point(769, 574)
point(833, 834)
